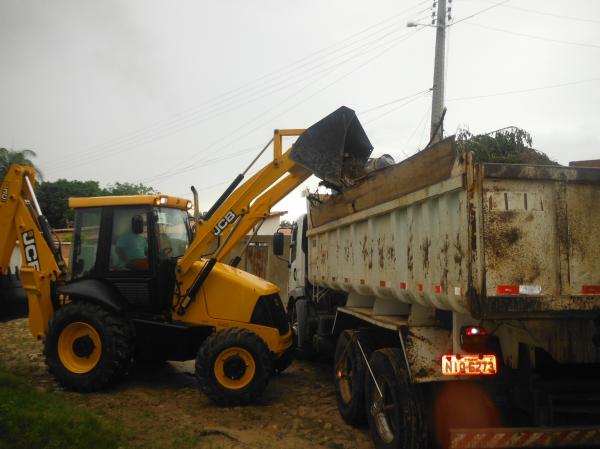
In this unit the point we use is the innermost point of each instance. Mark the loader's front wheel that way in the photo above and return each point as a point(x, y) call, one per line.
point(87, 347)
point(233, 366)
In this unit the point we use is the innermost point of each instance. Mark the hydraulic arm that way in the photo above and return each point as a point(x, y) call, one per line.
point(22, 220)
point(320, 150)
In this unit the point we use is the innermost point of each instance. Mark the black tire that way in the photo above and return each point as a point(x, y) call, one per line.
point(284, 361)
point(397, 421)
point(114, 356)
point(349, 369)
point(232, 388)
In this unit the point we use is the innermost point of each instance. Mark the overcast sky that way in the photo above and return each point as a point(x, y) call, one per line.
point(175, 93)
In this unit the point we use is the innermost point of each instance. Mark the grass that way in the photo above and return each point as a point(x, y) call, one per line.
point(37, 419)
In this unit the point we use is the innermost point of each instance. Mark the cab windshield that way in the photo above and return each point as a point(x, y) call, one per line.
point(173, 232)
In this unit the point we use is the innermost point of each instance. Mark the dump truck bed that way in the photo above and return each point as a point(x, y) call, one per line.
point(490, 240)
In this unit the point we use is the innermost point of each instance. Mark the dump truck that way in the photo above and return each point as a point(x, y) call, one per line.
point(460, 301)
point(142, 284)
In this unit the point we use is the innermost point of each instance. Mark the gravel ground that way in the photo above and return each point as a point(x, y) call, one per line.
point(159, 406)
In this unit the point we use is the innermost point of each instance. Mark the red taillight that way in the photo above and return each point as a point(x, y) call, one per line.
point(471, 331)
point(473, 339)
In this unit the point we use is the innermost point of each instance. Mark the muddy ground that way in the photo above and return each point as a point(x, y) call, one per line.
point(159, 406)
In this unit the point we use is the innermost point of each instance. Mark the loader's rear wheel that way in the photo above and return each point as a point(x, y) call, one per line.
point(233, 366)
point(87, 347)
point(349, 375)
point(395, 409)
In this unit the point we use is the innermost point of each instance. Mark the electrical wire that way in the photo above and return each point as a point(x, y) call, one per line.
point(180, 126)
point(289, 68)
point(520, 91)
point(387, 48)
point(406, 103)
point(495, 5)
point(533, 36)
point(374, 108)
point(545, 13)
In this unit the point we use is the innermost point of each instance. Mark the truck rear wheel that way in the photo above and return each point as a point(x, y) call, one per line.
point(87, 347)
point(349, 375)
point(395, 416)
point(233, 367)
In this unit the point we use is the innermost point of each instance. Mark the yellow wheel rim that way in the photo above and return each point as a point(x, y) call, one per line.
point(79, 347)
point(234, 368)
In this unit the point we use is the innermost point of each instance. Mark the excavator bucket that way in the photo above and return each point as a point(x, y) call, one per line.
point(335, 148)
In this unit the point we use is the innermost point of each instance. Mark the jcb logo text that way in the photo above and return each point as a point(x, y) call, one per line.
point(31, 254)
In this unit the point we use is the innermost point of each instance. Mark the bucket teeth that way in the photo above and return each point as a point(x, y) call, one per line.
point(335, 148)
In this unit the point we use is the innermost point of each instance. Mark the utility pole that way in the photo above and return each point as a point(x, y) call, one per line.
point(437, 99)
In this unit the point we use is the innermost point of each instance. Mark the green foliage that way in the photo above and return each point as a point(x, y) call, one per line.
point(127, 188)
point(53, 196)
point(511, 145)
point(23, 157)
point(35, 419)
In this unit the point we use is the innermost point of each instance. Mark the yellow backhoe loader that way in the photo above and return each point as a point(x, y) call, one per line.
point(142, 283)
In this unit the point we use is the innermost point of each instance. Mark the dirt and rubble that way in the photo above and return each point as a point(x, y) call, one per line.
point(159, 405)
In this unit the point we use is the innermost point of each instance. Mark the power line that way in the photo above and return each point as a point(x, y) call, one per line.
point(374, 108)
point(406, 103)
point(180, 126)
point(288, 68)
point(170, 173)
point(549, 14)
point(495, 5)
point(533, 36)
point(520, 91)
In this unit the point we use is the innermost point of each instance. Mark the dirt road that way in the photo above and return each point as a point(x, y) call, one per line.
point(159, 406)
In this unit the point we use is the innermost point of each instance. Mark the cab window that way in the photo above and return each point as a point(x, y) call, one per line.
point(85, 242)
point(173, 232)
point(129, 240)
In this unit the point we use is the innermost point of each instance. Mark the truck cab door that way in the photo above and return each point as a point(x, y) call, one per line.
point(297, 274)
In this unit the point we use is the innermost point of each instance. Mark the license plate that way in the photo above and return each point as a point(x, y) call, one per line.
point(469, 365)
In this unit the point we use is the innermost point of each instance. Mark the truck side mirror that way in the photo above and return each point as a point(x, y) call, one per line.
point(278, 244)
point(137, 224)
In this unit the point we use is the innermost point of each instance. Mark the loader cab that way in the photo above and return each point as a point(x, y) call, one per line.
point(132, 244)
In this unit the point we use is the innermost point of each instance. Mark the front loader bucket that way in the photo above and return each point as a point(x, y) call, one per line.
point(333, 145)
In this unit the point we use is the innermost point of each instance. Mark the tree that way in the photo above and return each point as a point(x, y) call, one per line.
point(127, 188)
point(511, 145)
point(22, 157)
point(53, 198)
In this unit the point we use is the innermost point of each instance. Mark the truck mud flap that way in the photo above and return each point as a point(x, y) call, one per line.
point(333, 147)
point(521, 437)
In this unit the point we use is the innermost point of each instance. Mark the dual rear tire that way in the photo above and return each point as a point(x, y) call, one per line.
point(382, 396)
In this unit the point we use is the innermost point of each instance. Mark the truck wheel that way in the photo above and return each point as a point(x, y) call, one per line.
point(233, 366)
point(395, 417)
point(349, 375)
point(87, 347)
